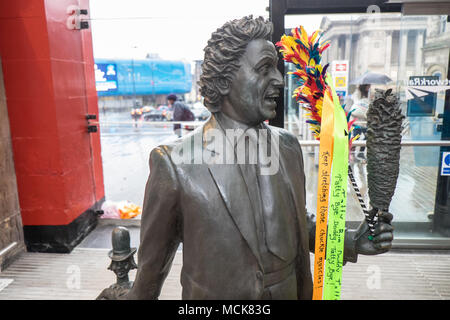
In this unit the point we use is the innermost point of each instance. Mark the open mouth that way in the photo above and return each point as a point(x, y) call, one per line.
point(270, 97)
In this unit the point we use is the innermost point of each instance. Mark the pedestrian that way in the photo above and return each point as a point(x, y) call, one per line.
point(171, 99)
point(181, 112)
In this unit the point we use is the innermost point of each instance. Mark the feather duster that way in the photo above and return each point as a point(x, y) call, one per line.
point(305, 52)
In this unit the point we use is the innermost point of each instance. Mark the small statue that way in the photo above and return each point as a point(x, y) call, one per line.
point(122, 261)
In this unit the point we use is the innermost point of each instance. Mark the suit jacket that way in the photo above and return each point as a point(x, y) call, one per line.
point(207, 208)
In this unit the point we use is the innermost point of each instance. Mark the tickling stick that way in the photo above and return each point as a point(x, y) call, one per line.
point(384, 128)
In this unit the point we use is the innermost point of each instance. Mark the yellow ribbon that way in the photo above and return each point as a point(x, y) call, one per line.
point(338, 203)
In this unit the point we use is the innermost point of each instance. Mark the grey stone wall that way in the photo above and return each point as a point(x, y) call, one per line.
point(11, 232)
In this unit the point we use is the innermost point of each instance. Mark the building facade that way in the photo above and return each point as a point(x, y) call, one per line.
point(397, 46)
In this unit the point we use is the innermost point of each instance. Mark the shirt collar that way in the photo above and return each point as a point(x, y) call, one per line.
point(225, 122)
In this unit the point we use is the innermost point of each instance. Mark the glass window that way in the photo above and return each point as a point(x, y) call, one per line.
point(409, 50)
point(395, 38)
point(341, 45)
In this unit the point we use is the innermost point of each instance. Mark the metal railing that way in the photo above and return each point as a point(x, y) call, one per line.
point(148, 123)
point(410, 143)
point(303, 143)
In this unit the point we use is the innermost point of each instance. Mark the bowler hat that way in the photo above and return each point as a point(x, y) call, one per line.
point(121, 244)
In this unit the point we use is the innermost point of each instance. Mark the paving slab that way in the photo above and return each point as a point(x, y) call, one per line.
point(82, 275)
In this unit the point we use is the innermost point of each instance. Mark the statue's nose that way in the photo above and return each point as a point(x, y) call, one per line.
point(278, 80)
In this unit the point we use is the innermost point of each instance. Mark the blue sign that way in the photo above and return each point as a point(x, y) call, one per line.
point(106, 77)
point(445, 164)
point(142, 77)
point(422, 106)
point(341, 93)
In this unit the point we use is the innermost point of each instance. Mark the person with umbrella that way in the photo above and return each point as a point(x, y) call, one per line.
point(372, 78)
point(361, 104)
point(358, 113)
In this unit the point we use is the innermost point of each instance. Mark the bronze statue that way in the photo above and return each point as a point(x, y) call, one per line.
point(246, 234)
point(122, 261)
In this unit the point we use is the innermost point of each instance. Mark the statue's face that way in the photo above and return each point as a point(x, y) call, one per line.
point(256, 84)
point(120, 268)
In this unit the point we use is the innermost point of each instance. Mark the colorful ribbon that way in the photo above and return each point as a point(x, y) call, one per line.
point(338, 202)
point(328, 121)
point(323, 190)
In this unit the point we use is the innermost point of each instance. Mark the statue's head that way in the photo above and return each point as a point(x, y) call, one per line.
point(239, 71)
point(121, 253)
point(122, 268)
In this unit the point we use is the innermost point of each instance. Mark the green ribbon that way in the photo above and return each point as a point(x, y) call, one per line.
point(338, 202)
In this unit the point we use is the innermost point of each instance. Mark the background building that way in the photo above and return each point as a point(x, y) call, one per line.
point(399, 47)
point(402, 47)
point(195, 95)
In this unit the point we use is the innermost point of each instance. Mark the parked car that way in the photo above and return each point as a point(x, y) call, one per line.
point(162, 113)
point(167, 113)
point(147, 109)
point(200, 112)
point(154, 115)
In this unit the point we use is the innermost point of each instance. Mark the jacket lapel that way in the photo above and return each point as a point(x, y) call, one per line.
point(289, 159)
point(230, 182)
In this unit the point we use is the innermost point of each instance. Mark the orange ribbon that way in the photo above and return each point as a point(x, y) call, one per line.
point(323, 187)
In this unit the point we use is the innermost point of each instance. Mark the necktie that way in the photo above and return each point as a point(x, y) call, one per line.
point(274, 224)
point(249, 170)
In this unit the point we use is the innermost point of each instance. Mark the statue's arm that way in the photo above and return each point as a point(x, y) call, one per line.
point(160, 227)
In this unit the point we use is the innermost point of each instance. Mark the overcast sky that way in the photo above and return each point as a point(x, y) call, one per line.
point(174, 29)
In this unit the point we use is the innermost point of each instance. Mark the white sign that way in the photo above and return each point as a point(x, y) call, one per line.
point(445, 164)
point(339, 73)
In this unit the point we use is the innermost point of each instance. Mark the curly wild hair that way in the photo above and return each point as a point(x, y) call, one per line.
point(222, 54)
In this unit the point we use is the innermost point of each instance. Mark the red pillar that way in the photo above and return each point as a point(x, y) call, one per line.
point(50, 87)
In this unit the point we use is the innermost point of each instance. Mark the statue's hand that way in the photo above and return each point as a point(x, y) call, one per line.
point(382, 240)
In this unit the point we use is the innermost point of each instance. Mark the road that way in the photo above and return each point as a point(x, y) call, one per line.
point(125, 154)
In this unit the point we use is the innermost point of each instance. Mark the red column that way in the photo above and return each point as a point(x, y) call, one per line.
point(50, 87)
point(92, 103)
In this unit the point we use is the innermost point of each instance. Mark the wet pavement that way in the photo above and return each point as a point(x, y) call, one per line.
point(125, 154)
point(83, 274)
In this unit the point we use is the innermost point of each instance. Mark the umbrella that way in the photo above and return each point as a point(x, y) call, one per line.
point(372, 78)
